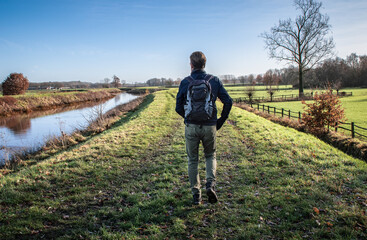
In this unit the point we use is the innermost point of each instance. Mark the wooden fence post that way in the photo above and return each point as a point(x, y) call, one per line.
point(268, 109)
point(289, 114)
point(352, 128)
point(282, 112)
point(275, 111)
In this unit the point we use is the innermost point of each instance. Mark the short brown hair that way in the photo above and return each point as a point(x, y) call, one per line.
point(198, 60)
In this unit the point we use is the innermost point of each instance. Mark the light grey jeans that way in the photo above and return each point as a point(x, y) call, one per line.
point(207, 135)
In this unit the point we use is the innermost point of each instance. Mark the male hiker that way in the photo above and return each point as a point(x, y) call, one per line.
point(195, 102)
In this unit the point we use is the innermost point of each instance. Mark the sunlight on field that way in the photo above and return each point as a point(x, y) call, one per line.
point(354, 105)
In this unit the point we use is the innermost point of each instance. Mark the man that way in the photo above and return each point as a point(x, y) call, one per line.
point(204, 130)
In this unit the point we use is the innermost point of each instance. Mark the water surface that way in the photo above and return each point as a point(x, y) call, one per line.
point(31, 131)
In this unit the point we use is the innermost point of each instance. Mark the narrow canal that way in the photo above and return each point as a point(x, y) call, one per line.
point(29, 132)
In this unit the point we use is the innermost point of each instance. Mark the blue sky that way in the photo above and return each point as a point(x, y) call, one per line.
point(71, 40)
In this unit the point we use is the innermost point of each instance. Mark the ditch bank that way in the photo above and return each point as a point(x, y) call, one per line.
point(351, 146)
point(66, 141)
point(10, 105)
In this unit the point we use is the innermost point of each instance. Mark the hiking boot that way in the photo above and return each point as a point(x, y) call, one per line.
point(212, 196)
point(196, 199)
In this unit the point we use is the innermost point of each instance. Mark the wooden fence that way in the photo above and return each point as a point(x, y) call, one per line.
point(351, 127)
point(283, 98)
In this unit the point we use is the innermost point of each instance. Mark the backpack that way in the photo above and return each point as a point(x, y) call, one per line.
point(199, 100)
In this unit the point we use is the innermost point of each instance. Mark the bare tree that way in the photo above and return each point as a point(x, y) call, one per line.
point(271, 79)
point(259, 78)
point(106, 82)
point(251, 78)
point(303, 41)
point(250, 91)
point(242, 79)
point(116, 81)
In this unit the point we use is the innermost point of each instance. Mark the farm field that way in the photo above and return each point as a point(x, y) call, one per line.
point(131, 182)
point(354, 106)
point(237, 92)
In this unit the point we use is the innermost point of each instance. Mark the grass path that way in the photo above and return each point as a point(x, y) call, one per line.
point(131, 182)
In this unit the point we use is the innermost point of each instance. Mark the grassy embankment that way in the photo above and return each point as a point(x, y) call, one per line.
point(131, 182)
point(43, 100)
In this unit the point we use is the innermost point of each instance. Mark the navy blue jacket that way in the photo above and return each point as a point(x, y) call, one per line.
point(217, 91)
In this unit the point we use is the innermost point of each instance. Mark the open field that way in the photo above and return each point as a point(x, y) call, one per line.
point(131, 182)
point(260, 91)
point(355, 106)
point(237, 92)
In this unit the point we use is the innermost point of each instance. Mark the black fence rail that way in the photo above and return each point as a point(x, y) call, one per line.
point(284, 98)
point(355, 130)
point(280, 111)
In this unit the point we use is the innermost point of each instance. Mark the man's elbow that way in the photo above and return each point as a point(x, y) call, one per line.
point(229, 102)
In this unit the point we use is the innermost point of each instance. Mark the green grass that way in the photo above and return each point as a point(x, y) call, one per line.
point(354, 107)
point(239, 91)
point(131, 182)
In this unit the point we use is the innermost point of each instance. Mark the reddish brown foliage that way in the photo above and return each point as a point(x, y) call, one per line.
point(326, 110)
point(15, 84)
point(7, 100)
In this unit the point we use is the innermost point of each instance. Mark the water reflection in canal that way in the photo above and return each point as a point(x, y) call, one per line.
point(24, 132)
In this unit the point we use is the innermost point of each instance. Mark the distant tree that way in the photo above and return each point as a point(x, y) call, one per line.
point(259, 78)
point(169, 82)
point(250, 91)
point(251, 78)
point(289, 75)
point(154, 82)
point(177, 82)
point(271, 80)
point(303, 41)
point(242, 79)
point(15, 84)
point(325, 111)
point(106, 82)
point(268, 78)
point(337, 86)
point(228, 78)
point(58, 85)
point(116, 81)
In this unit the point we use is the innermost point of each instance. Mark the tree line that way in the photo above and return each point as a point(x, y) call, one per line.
point(337, 72)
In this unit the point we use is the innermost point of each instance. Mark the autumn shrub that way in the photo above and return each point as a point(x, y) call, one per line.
point(7, 100)
point(326, 111)
point(15, 84)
